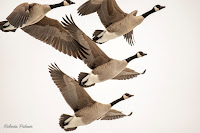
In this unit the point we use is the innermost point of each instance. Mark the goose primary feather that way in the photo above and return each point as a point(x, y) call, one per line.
point(86, 109)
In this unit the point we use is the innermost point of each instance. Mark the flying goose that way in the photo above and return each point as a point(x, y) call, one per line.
point(47, 30)
point(28, 14)
point(103, 67)
point(86, 109)
point(116, 22)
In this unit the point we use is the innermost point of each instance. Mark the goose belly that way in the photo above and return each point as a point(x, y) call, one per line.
point(125, 25)
point(109, 70)
point(36, 14)
point(107, 36)
point(93, 112)
point(74, 122)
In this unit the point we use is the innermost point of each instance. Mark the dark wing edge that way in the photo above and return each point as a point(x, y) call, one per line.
point(129, 37)
point(128, 73)
point(57, 75)
point(88, 8)
point(114, 114)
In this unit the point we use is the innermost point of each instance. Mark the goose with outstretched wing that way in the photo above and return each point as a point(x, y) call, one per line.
point(116, 22)
point(86, 110)
point(103, 67)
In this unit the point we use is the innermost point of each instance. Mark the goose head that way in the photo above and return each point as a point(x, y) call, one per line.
point(140, 54)
point(126, 96)
point(158, 7)
point(67, 2)
point(137, 55)
point(63, 3)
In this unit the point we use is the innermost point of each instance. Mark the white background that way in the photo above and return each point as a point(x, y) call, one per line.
point(166, 97)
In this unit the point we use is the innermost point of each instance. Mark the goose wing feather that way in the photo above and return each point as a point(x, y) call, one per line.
point(127, 73)
point(52, 32)
point(113, 114)
point(95, 56)
point(129, 37)
point(108, 10)
point(19, 16)
point(74, 95)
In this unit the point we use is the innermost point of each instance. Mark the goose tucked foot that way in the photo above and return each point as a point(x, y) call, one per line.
point(102, 36)
point(64, 121)
point(83, 80)
point(98, 34)
point(4, 25)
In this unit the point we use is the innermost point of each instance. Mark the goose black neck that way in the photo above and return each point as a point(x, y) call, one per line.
point(116, 101)
point(148, 13)
point(56, 5)
point(131, 58)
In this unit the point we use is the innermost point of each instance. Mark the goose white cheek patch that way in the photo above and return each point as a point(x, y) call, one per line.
point(125, 97)
point(139, 55)
point(65, 3)
point(156, 9)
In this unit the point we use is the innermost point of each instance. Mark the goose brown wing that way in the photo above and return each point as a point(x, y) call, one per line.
point(127, 73)
point(89, 7)
point(74, 95)
point(108, 10)
point(19, 16)
point(95, 55)
point(52, 32)
point(113, 114)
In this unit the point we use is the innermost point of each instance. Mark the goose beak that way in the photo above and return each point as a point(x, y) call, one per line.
point(72, 3)
point(144, 54)
point(162, 7)
point(131, 95)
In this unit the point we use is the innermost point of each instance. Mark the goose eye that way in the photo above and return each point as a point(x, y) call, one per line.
point(127, 94)
point(158, 6)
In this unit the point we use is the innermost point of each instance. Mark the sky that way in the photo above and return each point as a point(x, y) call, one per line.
point(166, 98)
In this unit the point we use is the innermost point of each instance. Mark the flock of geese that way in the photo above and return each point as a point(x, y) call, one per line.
point(69, 39)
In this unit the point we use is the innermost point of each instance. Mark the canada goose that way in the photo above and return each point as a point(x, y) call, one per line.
point(47, 30)
point(28, 14)
point(103, 67)
point(116, 22)
point(86, 109)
